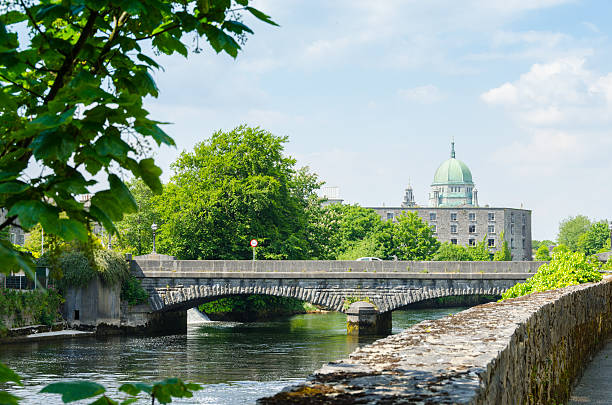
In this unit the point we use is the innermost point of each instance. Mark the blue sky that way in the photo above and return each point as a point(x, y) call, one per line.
point(370, 94)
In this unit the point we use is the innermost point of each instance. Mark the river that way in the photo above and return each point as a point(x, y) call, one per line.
point(235, 362)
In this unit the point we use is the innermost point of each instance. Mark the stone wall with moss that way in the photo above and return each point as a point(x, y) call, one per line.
point(523, 350)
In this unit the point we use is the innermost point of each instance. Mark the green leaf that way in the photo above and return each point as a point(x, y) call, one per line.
point(52, 145)
point(261, 16)
point(129, 401)
point(13, 187)
point(8, 375)
point(14, 261)
point(144, 58)
point(104, 400)
point(150, 174)
point(13, 17)
point(70, 229)
point(136, 388)
point(74, 390)
point(31, 212)
point(52, 120)
point(156, 133)
point(122, 194)
point(8, 399)
point(236, 27)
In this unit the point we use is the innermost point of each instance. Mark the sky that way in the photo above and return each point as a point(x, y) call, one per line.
point(370, 94)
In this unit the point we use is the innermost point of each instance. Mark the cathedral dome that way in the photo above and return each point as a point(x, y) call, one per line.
point(453, 171)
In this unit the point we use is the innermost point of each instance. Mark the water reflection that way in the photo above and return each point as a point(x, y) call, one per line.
point(238, 362)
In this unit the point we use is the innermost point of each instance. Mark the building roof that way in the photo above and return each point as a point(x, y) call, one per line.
point(452, 171)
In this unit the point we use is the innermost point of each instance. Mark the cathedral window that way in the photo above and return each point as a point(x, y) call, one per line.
point(512, 217)
point(511, 229)
point(523, 230)
point(523, 243)
point(453, 228)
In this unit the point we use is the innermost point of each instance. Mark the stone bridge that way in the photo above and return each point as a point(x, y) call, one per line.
point(176, 285)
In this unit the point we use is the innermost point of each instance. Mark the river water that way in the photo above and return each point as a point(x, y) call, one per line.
point(235, 362)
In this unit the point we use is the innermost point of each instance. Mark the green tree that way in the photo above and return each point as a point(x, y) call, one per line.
point(542, 253)
point(448, 252)
point(235, 187)
point(71, 99)
point(413, 238)
point(570, 230)
point(503, 254)
point(594, 239)
point(536, 244)
point(135, 232)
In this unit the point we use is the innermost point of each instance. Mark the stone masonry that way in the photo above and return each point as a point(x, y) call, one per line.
point(527, 350)
point(176, 285)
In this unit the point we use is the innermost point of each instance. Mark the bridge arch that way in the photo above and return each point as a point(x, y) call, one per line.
point(386, 295)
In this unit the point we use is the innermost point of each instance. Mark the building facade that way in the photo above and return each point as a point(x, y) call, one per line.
point(455, 216)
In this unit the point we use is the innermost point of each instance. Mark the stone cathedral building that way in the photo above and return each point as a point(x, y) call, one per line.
point(456, 217)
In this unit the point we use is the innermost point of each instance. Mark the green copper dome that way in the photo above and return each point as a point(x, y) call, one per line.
point(453, 171)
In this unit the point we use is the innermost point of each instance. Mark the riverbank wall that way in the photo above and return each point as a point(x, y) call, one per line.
point(97, 307)
point(529, 349)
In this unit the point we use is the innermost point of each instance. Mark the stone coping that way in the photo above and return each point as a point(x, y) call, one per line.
point(328, 275)
point(524, 350)
point(332, 266)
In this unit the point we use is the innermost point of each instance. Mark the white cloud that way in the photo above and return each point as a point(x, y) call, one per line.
point(564, 108)
point(427, 94)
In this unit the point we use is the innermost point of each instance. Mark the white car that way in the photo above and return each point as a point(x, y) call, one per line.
point(369, 259)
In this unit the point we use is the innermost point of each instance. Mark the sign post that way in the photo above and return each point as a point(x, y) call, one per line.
point(253, 245)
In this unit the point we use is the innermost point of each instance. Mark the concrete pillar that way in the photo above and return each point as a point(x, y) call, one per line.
point(362, 318)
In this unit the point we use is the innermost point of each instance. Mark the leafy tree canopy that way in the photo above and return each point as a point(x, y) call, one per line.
point(413, 238)
point(71, 102)
point(570, 230)
point(596, 238)
point(542, 253)
point(235, 187)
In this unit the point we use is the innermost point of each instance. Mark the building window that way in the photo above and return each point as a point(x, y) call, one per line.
point(491, 229)
point(512, 217)
point(523, 230)
point(472, 216)
point(524, 219)
point(472, 228)
point(453, 216)
point(454, 241)
point(491, 242)
point(472, 242)
point(512, 243)
point(453, 228)
point(523, 243)
point(434, 228)
point(511, 229)
point(491, 216)
point(389, 215)
point(432, 216)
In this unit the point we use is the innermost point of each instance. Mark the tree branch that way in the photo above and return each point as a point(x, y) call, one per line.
point(111, 38)
point(33, 21)
point(68, 64)
point(157, 33)
point(20, 86)
point(8, 222)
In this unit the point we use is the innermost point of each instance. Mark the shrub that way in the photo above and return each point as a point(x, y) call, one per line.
point(111, 266)
point(565, 269)
point(24, 307)
point(78, 269)
point(132, 291)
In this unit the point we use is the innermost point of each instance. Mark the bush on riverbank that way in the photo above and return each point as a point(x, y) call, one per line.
point(78, 268)
point(254, 307)
point(23, 307)
point(132, 292)
point(565, 269)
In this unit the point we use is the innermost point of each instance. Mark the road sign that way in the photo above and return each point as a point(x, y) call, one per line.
point(253, 242)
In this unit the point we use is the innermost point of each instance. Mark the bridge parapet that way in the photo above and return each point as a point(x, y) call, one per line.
point(156, 263)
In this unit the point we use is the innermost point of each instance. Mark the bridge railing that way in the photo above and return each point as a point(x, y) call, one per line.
point(152, 264)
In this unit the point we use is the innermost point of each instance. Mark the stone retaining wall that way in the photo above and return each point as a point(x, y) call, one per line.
point(526, 350)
